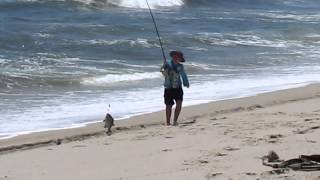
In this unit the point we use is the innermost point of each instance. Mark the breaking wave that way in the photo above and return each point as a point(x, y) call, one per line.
point(131, 43)
point(218, 39)
point(14, 82)
point(118, 3)
point(116, 78)
point(153, 3)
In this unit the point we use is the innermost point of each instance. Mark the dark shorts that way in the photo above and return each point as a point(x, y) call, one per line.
point(172, 94)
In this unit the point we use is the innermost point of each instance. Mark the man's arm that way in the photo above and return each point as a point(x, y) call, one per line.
point(184, 77)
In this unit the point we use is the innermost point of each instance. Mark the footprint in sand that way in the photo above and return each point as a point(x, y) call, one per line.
point(311, 119)
point(168, 137)
point(282, 113)
point(187, 123)
point(122, 128)
point(203, 161)
point(251, 174)
point(275, 136)
point(140, 137)
point(187, 163)
point(272, 138)
point(231, 149)
point(79, 146)
point(311, 141)
point(228, 131)
point(218, 154)
point(306, 130)
point(254, 107)
point(166, 150)
point(308, 119)
point(5, 178)
point(213, 175)
point(196, 162)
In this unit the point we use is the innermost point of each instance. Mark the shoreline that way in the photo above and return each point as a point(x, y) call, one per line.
point(52, 137)
point(126, 117)
point(85, 114)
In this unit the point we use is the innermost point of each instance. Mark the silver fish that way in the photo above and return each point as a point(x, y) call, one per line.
point(108, 123)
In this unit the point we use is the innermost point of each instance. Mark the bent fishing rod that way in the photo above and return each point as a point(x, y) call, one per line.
point(158, 34)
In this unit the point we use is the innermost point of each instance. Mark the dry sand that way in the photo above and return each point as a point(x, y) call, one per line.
point(220, 140)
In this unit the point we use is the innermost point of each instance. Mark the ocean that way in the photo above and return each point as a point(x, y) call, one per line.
point(63, 62)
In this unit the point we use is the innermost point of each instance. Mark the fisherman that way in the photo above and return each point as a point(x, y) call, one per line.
point(173, 93)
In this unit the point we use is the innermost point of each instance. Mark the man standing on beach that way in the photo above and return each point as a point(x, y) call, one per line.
point(173, 93)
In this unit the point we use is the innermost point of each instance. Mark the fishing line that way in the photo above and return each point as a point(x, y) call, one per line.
point(156, 28)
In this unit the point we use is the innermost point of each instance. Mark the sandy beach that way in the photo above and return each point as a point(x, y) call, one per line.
point(219, 140)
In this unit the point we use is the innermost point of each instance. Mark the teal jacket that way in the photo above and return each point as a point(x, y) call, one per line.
point(172, 73)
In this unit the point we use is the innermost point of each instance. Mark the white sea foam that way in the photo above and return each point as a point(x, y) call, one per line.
point(132, 43)
point(3, 60)
point(43, 35)
point(285, 16)
point(242, 39)
point(201, 66)
point(152, 3)
point(123, 63)
point(114, 78)
point(123, 3)
point(198, 48)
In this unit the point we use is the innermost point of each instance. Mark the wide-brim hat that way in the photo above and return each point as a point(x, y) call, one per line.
point(179, 53)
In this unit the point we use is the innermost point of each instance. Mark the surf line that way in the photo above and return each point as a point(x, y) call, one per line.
point(158, 34)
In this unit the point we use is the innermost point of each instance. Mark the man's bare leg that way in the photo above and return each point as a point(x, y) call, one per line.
point(168, 114)
point(177, 112)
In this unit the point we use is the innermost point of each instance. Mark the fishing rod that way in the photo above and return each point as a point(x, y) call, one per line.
point(156, 28)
